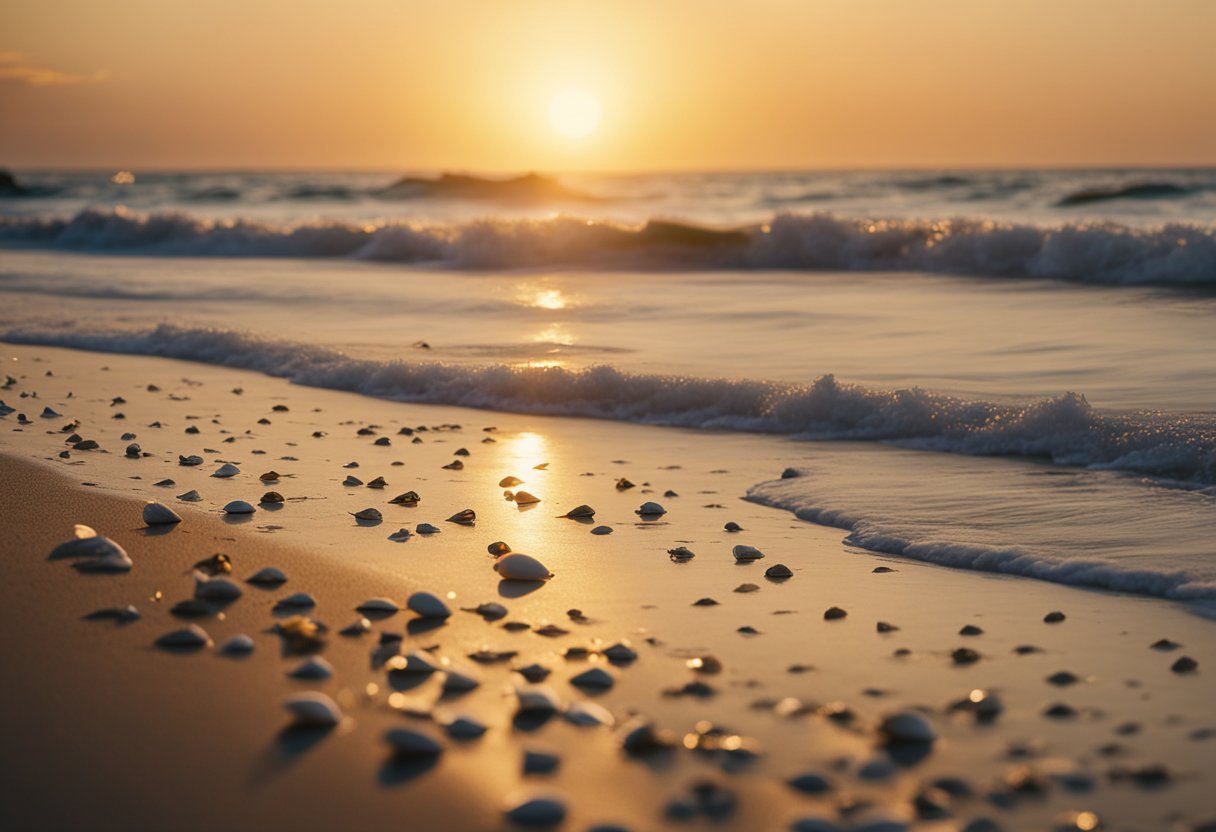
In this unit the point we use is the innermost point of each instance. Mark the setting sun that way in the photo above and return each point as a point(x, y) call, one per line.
point(575, 113)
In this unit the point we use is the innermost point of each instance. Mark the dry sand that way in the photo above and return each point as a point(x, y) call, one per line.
point(102, 730)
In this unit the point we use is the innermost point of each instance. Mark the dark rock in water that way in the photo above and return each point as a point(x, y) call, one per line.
point(965, 655)
point(833, 613)
point(9, 186)
point(1054, 617)
point(970, 630)
point(528, 188)
point(1139, 190)
point(1184, 665)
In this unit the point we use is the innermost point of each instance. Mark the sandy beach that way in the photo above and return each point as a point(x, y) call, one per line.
point(749, 680)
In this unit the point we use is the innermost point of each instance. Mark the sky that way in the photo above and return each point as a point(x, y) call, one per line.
point(423, 85)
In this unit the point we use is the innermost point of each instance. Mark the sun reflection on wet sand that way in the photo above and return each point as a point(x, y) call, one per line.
point(543, 297)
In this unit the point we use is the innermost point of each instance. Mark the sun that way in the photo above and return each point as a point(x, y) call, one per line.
point(575, 113)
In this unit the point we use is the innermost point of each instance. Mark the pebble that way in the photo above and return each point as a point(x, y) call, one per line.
point(517, 566)
point(190, 496)
point(834, 613)
point(407, 743)
point(192, 637)
point(1054, 617)
point(158, 514)
point(428, 606)
point(226, 470)
point(540, 762)
point(588, 714)
point(272, 498)
point(778, 572)
point(313, 668)
point(601, 530)
point(907, 727)
point(964, 655)
point(1184, 665)
point(381, 606)
point(650, 509)
point(238, 645)
point(369, 515)
point(465, 728)
point(746, 553)
point(970, 630)
point(595, 678)
point(297, 601)
point(810, 783)
point(579, 512)
point(268, 576)
point(313, 708)
point(538, 811)
point(239, 507)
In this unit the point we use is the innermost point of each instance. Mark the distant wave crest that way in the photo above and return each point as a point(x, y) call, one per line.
point(1065, 429)
point(1103, 253)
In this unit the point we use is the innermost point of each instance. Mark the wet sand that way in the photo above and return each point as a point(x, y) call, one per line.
point(140, 737)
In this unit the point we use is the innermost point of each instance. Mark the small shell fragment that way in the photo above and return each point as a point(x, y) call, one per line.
point(427, 528)
point(524, 498)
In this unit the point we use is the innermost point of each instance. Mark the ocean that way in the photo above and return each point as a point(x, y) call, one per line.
point(1009, 371)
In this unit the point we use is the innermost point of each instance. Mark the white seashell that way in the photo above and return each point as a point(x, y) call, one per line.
point(300, 600)
point(378, 605)
point(524, 498)
point(596, 678)
point(517, 566)
point(539, 811)
point(239, 507)
point(651, 510)
point(215, 589)
point(465, 728)
point(313, 708)
point(427, 528)
point(190, 638)
point(241, 645)
point(270, 576)
point(907, 727)
point(588, 714)
point(190, 496)
point(459, 681)
point(370, 514)
point(428, 606)
point(158, 514)
point(313, 668)
point(742, 552)
point(400, 536)
point(226, 470)
point(409, 743)
point(602, 530)
point(538, 699)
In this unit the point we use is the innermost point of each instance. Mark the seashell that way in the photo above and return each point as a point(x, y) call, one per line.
point(216, 589)
point(352, 481)
point(134, 451)
point(810, 783)
point(538, 699)
point(115, 559)
point(158, 514)
point(428, 606)
point(409, 498)
point(539, 811)
point(272, 498)
point(517, 566)
point(459, 681)
point(670, 493)
point(312, 668)
point(85, 445)
point(579, 511)
point(104, 555)
point(644, 739)
point(369, 514)
point(427, 528)
point(681, 553)
point(190, 496)
point(351, 465)
point(406, 743)
point(498, 548)
point(596, 678)
point(544, 762)
point(509, 482)
point(378, 482)
point(455, 465)
point(542, 466)
point(192, 637)
point(732, 526)
point(620, 653)
point(491, 611)
point(49, 413)
point(269, 576)
point(226, 470)
point(465, 728)
point(778, 572)
point(524, 498)
point(623, 484)
point(313, 708)
point(534, 672)
point(413, 662)
point(383, 442)
point(298, 601)
point(588, 714)
point(357, 627)
point(400, 536)
point(601, 530)
point(270, 476)
point(192, 608)
point(465, 518)
point(217, 564)
point(834, 613)
point(193, 459)
point(742, 552)
point(119, 615)
point(239, 507)
point(378, 605)
point(907, 727)
point(166, 483)
point(239, 645)
point(650, 510)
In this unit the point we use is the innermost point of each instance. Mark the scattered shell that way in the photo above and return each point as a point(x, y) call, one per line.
point(747, 588)
point(269, 576)
point(412, 662)
point(383, 442)
point(650, 510)
point(524, 498)
point(239, 507)
point(455, 465)
point(239, 645)
point(834, 613)
point(369, 514)
point(313, 708)
point(602, 530)
point(681, 553)
point(517, 566)
point(192, 637)
point(459, 681)
point(428, 606)
point(270, 476)
point(596, 678)
point(358, 627)
point(272, 497)
point(85, 445)
point(620, 653)
point(732, 526)
point(509, 482)
point(190, 496)
point(588, 714)
point(312, 668)
point(427, 528)
point(406, 743)
point(580, 511)
point(400, 536)
point(1185, 664)
point(378, 482)
point(964, 655)
point(226, 470)
point(193, 459)
point(534, 672)
point(216, 589)
point(134, 451)
point(409, 498)
point(158, 514)
point(545, 762)
point(778, 572)
point(646, 739)
point(623, 484)
point(491, 611)
point(378, 605)
point(465, 518)
point(498, 548)
point(907, 727)
point(120, 615)
point(352, 481)
point(465, 728)
point(539, 811)
point(537, 699)
point(298, 601)
point(744, 553)
point(1054, 617)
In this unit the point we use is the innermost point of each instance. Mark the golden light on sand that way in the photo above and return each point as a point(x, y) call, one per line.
point(550, 299)
point(575, 113)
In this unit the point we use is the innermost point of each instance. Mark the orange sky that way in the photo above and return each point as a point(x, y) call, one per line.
point(707, 84)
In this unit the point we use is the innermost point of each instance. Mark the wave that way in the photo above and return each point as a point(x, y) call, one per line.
point(1064, 430)
point(1188, 582)
point(1141, 190)
point(1100, 253)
